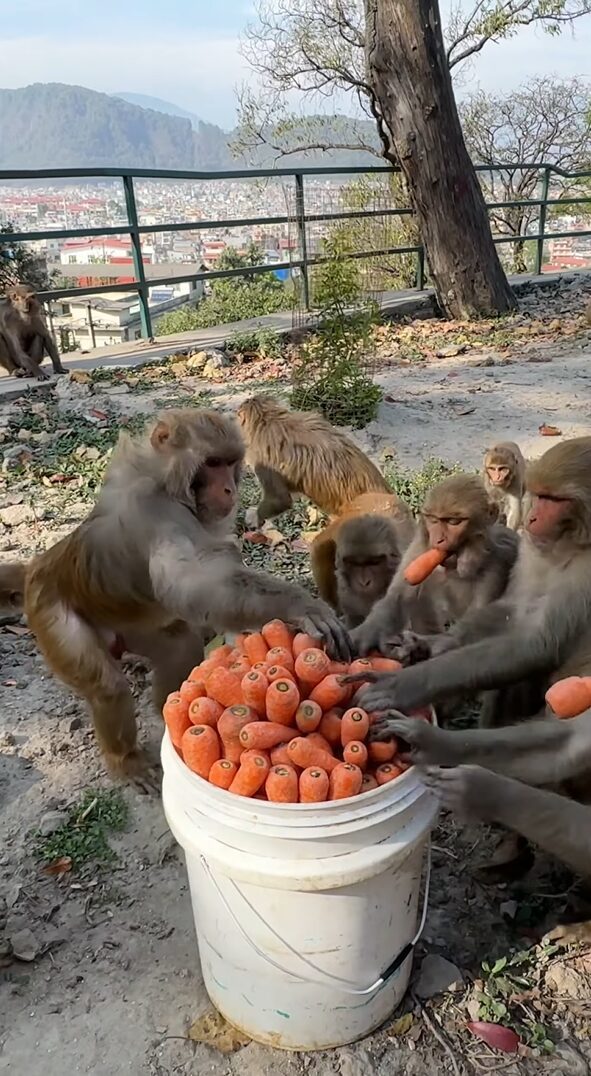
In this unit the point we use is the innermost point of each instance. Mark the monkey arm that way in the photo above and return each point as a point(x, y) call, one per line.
point(557, 824)
point(212, 587)
point(389, 616)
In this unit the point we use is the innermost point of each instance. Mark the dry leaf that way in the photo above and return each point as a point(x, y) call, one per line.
point(60, 479)
point(549, 431)
point(401, 1026)
point(274, 536)
point(100, 415)
point(80, 376)
point(213, 1030)
point(256, 538)
point(496, 1036)
point(9, 683)
point(299, 546)
point(59, 866)
point(17, 629)
point(465, 411)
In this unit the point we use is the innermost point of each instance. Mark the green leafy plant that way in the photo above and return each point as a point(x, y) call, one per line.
point(263, 342)
point(331, 373)
point(84, 835)
point(413, 486)
point(507, 986)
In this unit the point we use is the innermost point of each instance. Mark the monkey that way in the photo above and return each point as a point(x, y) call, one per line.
point(300, 452)
point(150, 570)
point(410, 622)
point(25, 333)
point(354, 558)
point(539, 632)
point(503, 471)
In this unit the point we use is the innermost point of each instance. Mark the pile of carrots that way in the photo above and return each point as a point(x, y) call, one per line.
point(270, 717)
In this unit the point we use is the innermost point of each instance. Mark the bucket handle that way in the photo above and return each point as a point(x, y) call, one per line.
point(326, 977)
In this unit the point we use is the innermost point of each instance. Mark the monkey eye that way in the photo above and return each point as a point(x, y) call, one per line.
point(214, 461)
point(455, 521)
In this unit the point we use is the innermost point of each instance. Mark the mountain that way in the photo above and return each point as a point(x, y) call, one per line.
point(48, 125)
point(158, 105)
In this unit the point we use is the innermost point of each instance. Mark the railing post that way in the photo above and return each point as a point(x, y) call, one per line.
point(420, 276)
point(138, 263)
point(91, 325)
point(303, 243)
point(542, 221)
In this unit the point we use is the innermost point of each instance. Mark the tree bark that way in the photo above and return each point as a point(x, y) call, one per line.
point(408, 73)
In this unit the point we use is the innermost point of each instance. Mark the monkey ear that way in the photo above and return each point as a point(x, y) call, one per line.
point(160, 435)
point(168, 433)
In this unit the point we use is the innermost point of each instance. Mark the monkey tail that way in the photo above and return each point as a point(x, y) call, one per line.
point(12, 585)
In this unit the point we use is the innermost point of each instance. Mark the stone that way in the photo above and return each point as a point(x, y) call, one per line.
point(50, 821)
point(216, 362)
point(25, 946)
point(16, 514)
point(16, 456)
point(436, 976)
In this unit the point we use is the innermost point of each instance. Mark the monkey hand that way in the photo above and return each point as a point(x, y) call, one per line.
point(321, 622)
point(418, 739)
point(373, 636)
point(404, 690)
point(140, 768)
point(470, 791)
point(411, 648)
point(41, 375)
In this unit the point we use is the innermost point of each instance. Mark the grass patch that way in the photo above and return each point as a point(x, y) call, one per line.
point(84, 835)
point(413, 486)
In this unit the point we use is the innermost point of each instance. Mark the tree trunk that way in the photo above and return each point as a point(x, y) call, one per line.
point(408, 73)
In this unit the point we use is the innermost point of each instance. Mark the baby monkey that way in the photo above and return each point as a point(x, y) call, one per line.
point(503, 471)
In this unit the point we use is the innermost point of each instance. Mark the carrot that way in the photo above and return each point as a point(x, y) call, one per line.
point(387, 772)
point(263, 735)
point(219, 656)
point(338, 668)
point(254, 689)
point(308, 716)
point(281, 785)
point(192, 689)
point(421, 567)
point(330, 692)
point(360, 665)
point(224, 686)
point(255, 647)
point(261, 666)
point(201, 748)
point(279, 755)
point(569, 697)
point(205, 712)
point(304, 754)
point(382, 752)
point(313, 785)
point(201, 672)
point(282, 701)
point(239, 642)
point(330, 725)
point(222, 773)
point(279, 672)
point(230, 725)
point(355, 752)
point(252, 774)
point(276, 633)
point(380, 664)
point(303, 642)
point(280, 655)
point(240, 666)
point(312, 666)
point(354, 725)
point(345, 780)
point(176, 715)
point(369, 782)
point(320, 741)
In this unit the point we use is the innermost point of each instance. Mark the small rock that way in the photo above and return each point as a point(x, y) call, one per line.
point(17, 514)
point(196, 360)
point(450, 351)
point(50, 821)
point(436, 976)
point(355, 1062)
point(116, 390)
point(16, 456)
point(75, 387)
point(42, 438)
point(216, 362)
point(23, 435)
point(25, 945)
point(74, 724)
point(508, 908)
point(7, 739)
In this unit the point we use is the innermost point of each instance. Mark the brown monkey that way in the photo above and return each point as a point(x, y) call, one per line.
point(538, 634)
point(150, 570)
point(300, 452)
point(355, 556)
point(503, 471)
point(25, 333)
point(457, 518)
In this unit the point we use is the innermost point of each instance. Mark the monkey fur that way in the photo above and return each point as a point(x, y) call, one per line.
point(503, 472)
point(24, 336)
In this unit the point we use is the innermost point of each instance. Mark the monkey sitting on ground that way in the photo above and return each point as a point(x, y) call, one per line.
point(151, 568)
point(300, 452)
point(409, 621)
point(539, 633)
point(25, 334)
point(355, 557)
point(503, 471)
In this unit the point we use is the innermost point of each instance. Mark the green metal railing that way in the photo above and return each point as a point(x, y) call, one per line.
point(304, 261)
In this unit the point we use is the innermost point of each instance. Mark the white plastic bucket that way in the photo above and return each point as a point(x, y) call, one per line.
point(305, 914)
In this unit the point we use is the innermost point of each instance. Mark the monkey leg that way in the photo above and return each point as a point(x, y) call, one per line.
point(558, 825)
point(173, 652)
point(276, 494)
point(47, 343)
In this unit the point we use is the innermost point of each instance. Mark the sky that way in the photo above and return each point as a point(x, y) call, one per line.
point(187, 51)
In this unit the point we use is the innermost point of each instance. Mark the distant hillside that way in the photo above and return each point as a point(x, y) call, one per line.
point(51, 124)
point(142, 100)
point(48, 125)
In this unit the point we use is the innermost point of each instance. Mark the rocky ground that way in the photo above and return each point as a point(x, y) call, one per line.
point(98, 960)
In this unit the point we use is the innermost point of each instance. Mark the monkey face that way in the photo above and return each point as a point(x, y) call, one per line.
point(549, 517)
point(21, 298)
point(447, 533)
point(215, 488)
point(499, 474)
point(369, 579)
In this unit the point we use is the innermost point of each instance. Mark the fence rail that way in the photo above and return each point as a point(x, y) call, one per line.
point(305, 261)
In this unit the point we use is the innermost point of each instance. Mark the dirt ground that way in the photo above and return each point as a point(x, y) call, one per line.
point(99, 971)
